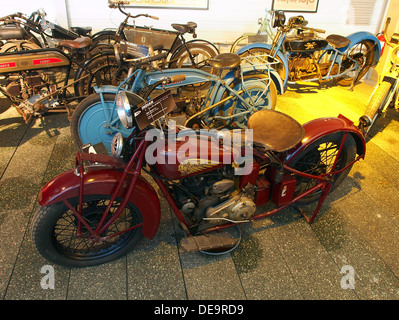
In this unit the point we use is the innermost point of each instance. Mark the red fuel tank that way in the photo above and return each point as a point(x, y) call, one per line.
point(192, 155)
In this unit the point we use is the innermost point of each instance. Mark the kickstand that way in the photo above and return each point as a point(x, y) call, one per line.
point(323, 196)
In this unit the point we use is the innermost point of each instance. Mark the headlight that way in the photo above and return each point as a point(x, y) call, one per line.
point(117, 145)
point(278, 19)
point(124, 110)
point(126, 102)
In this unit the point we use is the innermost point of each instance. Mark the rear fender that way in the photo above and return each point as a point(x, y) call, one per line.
point(103, 180)
point(356, 37)
point(317, 128)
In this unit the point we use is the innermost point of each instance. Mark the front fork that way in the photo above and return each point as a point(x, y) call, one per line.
point(133, 167)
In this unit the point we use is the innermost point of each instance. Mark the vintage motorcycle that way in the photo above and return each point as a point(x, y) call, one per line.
point(180, 53)
point(37, 81)
point(100, 210)
point(221, 99)
point(386, 94)
point(307, 59)
point(18, 31)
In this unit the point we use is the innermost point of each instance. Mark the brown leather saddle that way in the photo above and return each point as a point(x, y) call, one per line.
point(338, 41)
point(77, 44)
point(274, 130)
point(183, 28)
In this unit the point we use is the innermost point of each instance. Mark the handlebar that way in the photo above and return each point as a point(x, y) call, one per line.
point(119, 4)
point(314, 29)
point(388, 42)
point(145, 60)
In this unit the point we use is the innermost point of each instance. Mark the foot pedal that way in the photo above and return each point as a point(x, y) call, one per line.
point(218, 241)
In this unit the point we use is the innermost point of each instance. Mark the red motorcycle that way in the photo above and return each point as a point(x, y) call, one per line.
point(99, 210)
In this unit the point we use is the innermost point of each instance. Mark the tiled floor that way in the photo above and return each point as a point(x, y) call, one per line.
point(280, 258)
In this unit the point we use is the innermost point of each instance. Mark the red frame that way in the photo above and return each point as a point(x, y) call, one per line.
point(133, 167)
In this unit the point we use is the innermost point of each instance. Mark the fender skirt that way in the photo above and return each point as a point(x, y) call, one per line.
point(103, 180)
point(317, 128)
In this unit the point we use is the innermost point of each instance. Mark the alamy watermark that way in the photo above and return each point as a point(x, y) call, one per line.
point(348, 278)
point(48, 281)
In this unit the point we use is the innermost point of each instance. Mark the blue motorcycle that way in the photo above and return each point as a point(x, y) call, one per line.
point(305, 58)
point(224, 97)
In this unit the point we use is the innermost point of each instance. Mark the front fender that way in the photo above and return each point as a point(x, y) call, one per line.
point(267, 46)
point(356, 37)
point(317, 128)
point(103, 180)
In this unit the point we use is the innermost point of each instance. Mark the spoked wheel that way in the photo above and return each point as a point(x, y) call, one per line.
point(318, 159)
point(101, 70)
point(363, 53)
point(61, 238)
point(199, 52)
point(260, 93)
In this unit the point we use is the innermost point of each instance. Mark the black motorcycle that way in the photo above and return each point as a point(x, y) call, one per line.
point(19, 31)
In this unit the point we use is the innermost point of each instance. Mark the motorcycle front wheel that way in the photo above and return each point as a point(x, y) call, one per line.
point(96, 120)
point(60, 238)
point(318, 158)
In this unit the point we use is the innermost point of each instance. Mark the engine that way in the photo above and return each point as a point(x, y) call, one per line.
point(27, 77)
point(304, 49)
point(214, 197)
point(303, 66)
point(26, 89)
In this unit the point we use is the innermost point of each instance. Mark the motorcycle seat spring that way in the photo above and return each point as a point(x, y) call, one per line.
point(338, 41)
point(183, 28)
point(79, 43)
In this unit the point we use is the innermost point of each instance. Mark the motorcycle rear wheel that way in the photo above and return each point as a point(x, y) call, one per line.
point(363, 53)
point(318, 158)
point(100, 70)
point(200, 52)
point(55, 233)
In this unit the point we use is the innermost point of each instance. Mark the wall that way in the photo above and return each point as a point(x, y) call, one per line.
point(225, 20)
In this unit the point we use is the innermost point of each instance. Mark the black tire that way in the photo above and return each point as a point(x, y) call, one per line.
point(317, 158)
point(101, 70)
point(54, 233)
point(377, 103)
point(201, 52)
point(103, 42)
point(363, 53)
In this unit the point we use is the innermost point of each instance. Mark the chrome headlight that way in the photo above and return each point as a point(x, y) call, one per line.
point(127, 101)
point(124, 110)
point(117, 145)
